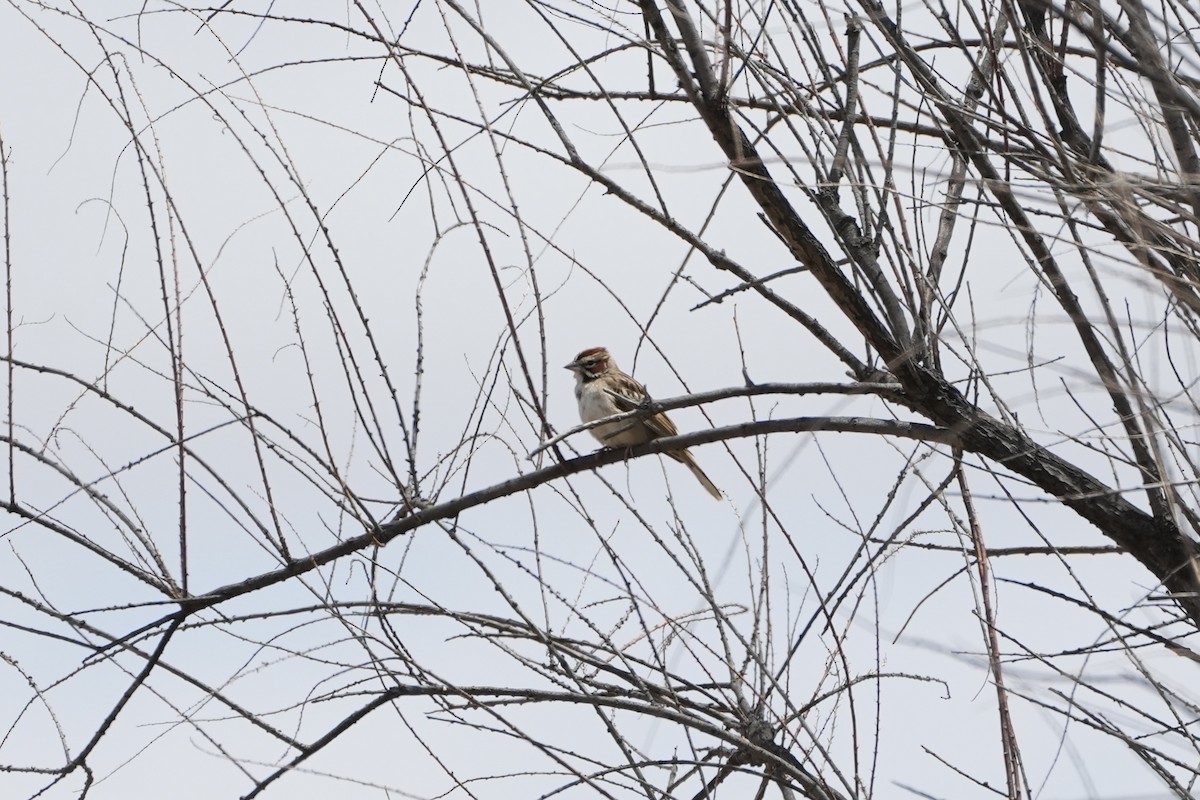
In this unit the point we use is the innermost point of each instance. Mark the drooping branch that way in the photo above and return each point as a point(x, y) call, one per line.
point(428, 513)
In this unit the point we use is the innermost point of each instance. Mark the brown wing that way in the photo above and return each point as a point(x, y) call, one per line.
point(628, 394)
point(660, 425)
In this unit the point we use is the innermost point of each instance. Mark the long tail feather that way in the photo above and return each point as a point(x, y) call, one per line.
point(686, 457)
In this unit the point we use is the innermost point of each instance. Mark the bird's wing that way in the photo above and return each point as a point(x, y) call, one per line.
point(629, 395)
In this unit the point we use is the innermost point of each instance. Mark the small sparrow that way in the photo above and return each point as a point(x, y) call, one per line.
point(596, 375)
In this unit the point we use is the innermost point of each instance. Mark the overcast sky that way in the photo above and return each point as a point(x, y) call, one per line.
point(301, 208)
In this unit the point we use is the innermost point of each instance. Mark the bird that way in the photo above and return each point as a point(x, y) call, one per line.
point(597, 379)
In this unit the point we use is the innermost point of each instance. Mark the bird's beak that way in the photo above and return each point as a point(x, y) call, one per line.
point(572, 365)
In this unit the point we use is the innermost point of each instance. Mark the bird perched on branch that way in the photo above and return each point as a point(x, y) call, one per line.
point(603, 390)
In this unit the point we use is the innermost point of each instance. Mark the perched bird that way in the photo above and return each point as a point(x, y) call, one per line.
point(596, 375)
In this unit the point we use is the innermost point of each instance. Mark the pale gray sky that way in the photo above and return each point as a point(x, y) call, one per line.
point(235, 140)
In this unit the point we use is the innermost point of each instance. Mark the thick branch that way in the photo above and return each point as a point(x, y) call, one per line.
point(1155, 542)
point(1153, 539)
point(743, 157)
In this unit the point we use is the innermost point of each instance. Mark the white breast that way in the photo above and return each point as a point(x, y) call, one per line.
point(595, 403)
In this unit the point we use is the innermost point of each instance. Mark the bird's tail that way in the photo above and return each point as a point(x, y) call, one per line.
point(686, 457)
